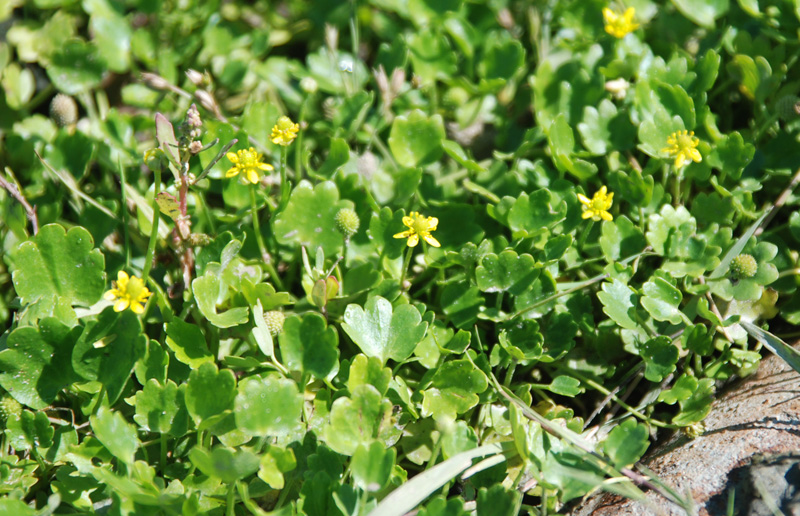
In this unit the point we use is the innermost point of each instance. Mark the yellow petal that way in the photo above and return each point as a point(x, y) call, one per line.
point(413, 240)
point(110, 295)
point(695, 155)
point(587, 214)
point(137, 308)
point(585, 200)
point(605, 215)
point(264, 166)
point(432, 241)
point(122, 276)
point(252, 176)
point(233, 157)
point(404, 234)
point(408, 221)
point(233, 171)
point(432, 223)
point(121, 305)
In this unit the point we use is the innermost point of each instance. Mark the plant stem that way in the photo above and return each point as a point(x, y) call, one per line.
point(124, 215)
point(151, 246)
point(163, 456)
point(285, 186)
point(585, 234)
point(406, 262)
point(257, 226)
point(229, 511)
point(596, 386)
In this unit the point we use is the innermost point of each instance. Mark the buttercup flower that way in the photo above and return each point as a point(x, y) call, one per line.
point(597, 207)
point(683, 145)
point(284, 132)
point(128, 292)
point(419, 226)
point(248, 162)
point(619, 25)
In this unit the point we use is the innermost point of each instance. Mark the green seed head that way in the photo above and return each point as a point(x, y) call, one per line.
point(274, 320)
point(347, 222)
point(455, 97)
point(788, 107)
point(63, 110)
point(744, 266)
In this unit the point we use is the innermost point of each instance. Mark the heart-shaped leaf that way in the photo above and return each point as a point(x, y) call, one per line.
point(455, 389)
point(379, 331)
point(209, 392)
point(309, 219)
point(59, 262)
point(416, 139)
point(267, 406)
point(506, 272)
point(356, 420)
point(117, 435)
point(188, 343)
point(310, 346)
point(225, 464)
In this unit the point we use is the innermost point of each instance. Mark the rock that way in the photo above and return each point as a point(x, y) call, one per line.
point(751, 447)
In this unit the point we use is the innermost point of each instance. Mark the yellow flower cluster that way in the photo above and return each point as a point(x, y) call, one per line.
point(619, 25)
point(128, 292)
point(419, 226)
point(284, 132)
point(683, 146)
point(248, 163)
point(597, 207)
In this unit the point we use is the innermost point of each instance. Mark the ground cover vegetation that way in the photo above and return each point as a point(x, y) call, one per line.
point(369, 257)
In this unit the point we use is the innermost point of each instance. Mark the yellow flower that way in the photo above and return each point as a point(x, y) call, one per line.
point(419, 226)
point(619, 25)
point(128, 292)
point(284, 132)
point(597, 207)
point(248, 162)
point(683, 145)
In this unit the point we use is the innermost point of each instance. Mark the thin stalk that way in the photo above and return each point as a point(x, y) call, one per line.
point(124, 215)
point(163, 454)
point(257, 226)
point(229, 510)
point(285, 186)
point(151, 246)
point(406, 263)
point(585, 234)
point(596, 386)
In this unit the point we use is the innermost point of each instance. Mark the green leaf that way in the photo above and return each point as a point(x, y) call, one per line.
point(702, 12)
point(506, 272)
point(503, 57)
point(206, 291)
point(654, 132)
point(59, 262)
point(116, 434)
point(621, 238)
point(627, 442)
point(661, 300)
point(522, 339)
point(379, 331)
point(188, 343)
point(309, 218)
point(736, 248)
point(108, 349)
point(310, 346)
point(533, 214)
point(731, 155)
point(112, 35)
point(606, 129)
point(16, 507)
point(38, 362)
point(660, 356)
point(209, 392)
point(268, 406)
point(372, 466)
point(225, 464)
point(498, 501)
point(76, 67)
point(670, 230)
point(562, 146)
point(431, 56)
point(698, 405)
point(29, 431)
point(680, 391)
point(161, 408)
point(565, 386)
point(416, 140)
point(619, 303)
point(369, 371)
point(356, 420)
point(274, 463)
point(19, 85)
point(455, 388)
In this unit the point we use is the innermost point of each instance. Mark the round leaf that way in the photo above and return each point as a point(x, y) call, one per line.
point(267, 406)
point(416, 139)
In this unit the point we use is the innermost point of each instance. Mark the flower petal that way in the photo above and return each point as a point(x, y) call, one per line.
point(433, 222)
point(587, 214)
point(408, 221)
point(605, 215)
point(137, 308)
point(585, 200)
point(110, 295)
point(121, 304)
point(432, 241)
point(403, 234)
point(233, 171)
point(413, 240)
point(232, 157)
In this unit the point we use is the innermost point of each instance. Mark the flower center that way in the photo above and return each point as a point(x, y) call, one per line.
point(135, 288)
point(685, 142)
point(599, 204)
point(420, 225)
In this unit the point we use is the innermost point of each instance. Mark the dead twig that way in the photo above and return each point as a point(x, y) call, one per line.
point(30, 211)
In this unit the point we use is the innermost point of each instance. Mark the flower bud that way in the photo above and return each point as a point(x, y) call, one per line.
point(63, 110)
point(743, 266)
point(347, 222)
